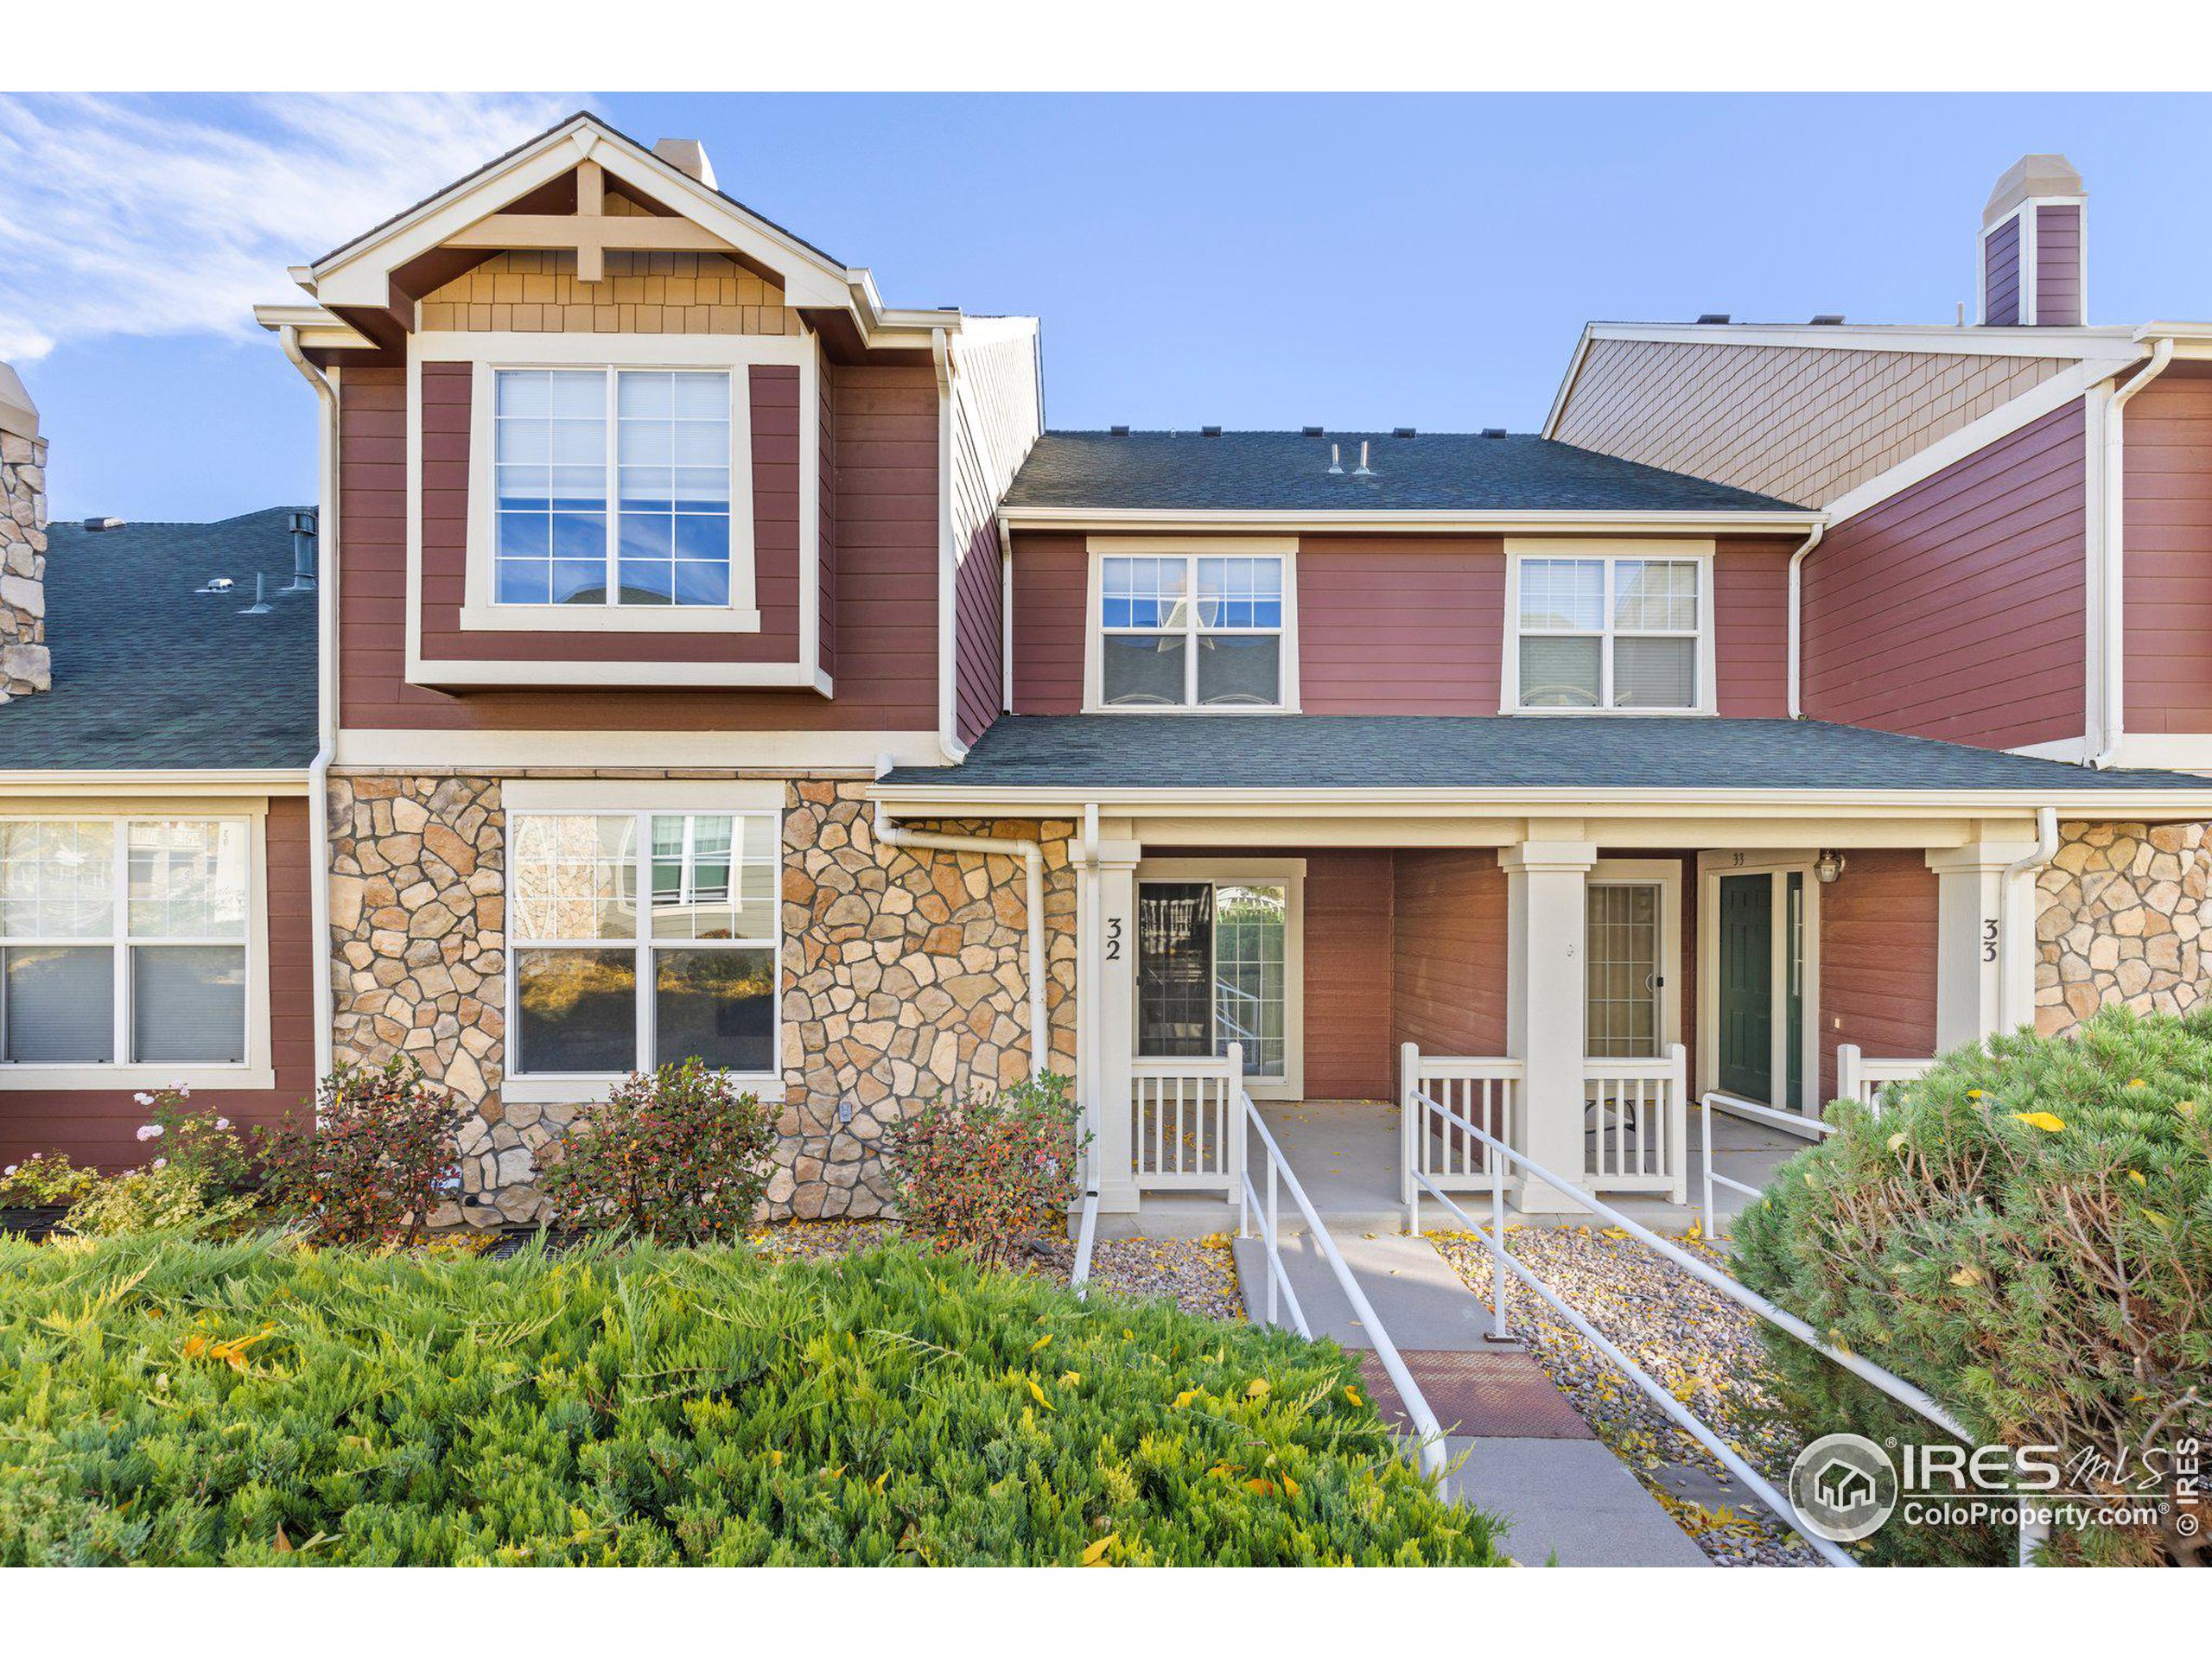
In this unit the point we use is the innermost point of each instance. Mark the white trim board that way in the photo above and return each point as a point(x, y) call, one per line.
point(1098, 549)
point(721, 750)
point(1702, 553)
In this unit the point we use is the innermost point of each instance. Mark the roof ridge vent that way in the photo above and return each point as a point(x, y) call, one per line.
point(1401, 431)
point(1829, 320)
point(1208, 431)
point(1309, 431)
point(95, 525)
point(1713, 316)
point(1493, 431)
point(1117, 431)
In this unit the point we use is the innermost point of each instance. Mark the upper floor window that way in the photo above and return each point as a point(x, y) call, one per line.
point(613, 487)
point(123, 942)
point(1193, 631)
point(1611, 633)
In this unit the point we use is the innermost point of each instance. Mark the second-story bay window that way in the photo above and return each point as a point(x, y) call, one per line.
point(1613, 632)
point(1193, 631)
point(612, 487)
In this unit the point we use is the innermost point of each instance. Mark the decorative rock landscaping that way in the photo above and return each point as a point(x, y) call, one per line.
point(2122, 910)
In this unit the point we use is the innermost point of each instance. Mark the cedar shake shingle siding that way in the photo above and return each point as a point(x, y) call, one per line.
point(2058, 267)
point(1956, 609)
point(1877, 957)
point(2167, 603)
point(2000, 253)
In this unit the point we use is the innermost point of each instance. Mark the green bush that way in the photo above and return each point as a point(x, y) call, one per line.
point(45, 1179)
point(677, 1154)
point(259, 1402)
point(2026, 1234)
point(163, 1197)
point(988, 1173)
point(374, 1161)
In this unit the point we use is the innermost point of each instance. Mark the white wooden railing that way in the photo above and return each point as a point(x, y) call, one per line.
point(1480, 1088)
point(1636, 1130)
point(1858, 1078)
point(1186, 1123)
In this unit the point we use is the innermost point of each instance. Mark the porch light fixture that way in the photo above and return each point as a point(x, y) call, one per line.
point(1827, 867)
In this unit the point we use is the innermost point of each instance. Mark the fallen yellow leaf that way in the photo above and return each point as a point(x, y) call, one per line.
point(1968, 1274)
point(2042, 1120)
point(1035, 1389)
point(1094, 1554)
point(1259, 1389)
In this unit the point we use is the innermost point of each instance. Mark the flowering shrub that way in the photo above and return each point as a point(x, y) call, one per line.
point(44, 1180)
point(988, 1173)
point(163, 1196)
point(204, 1144)
point(379, 1158)
point(677, 1155)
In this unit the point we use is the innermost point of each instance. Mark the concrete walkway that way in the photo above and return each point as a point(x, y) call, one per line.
point(1517, 1447)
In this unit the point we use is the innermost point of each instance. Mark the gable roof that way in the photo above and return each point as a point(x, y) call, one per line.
point(1286, 471)
point(150, 676)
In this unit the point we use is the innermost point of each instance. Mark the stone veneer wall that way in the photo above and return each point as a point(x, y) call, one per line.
point(2122, 913)
point(903, 973)
point(25, 665)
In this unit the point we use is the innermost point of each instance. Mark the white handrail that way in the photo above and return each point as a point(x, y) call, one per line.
point(1393, 1366)
point(1812, 1128)
point(1860, 1078)
point(1086, 1235)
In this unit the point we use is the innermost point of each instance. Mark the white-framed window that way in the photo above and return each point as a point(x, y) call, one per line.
point(643, 938)
point(612, 485)
point(126, 942)
point(1188, 627)
point(1595, 629)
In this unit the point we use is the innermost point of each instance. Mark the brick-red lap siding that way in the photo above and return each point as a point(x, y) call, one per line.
point(2167, 605)
point(99, 1126)
point(1956, 609)
point(1877, 958)
point(882, 486)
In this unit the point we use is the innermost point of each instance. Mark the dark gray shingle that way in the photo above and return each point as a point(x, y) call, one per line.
point(148, 675)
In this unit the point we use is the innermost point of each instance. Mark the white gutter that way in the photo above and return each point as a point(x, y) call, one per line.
point(893, 835)
point(2040, 854)
point(1796, 622)
point(947, 597)
point(1434, 520)
point(325, 599)
point(2112, 560)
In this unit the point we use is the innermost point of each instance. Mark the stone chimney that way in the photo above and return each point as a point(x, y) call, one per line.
point(25, 667)
point(2032, 270)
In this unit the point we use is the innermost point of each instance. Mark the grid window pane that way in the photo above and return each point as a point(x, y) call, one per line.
point(706, 885)
point(1143, 593)
point(574, 877)
point(673, 450)
point(1240, 593)
point(188, 881)
point(1563, 594)
point(717, 1005)
point(549, 478)
point(1655, 673)
point(1142, 669)
point(1622, 1006)
point(188, 1004)
point(1654, 595)
point(60, 1004)
point(1559, 672)
point(578, 1010)
point(1240, 670)
point(1247, 1007)
point(57, 881)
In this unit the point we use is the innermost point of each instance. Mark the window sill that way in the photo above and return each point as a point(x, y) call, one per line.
point(1623, 714)
point(608, 618)
point(146, 1078)
point(584, 1090)
point(1239, 709)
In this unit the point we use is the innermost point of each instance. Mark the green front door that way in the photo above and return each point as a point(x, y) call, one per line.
point(1747, 986)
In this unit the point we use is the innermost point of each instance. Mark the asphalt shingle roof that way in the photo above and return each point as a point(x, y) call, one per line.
point(1286, 471)
point(1597, 751)
point(148, 675)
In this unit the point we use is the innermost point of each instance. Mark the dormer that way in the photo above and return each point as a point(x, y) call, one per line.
point(2033, 269)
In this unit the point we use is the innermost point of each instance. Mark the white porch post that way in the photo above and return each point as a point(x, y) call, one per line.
point(1978, 925)
point(1110, 988)
point(1546, 892)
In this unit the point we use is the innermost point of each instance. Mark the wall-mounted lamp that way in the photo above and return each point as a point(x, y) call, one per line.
point(1827, 867)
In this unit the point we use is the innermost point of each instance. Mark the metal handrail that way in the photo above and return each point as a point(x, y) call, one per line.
point(1086, 1235)
point(1393, 1366)
point(1715, 1100)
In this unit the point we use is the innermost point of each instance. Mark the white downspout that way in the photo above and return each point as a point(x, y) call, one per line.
point(893, 835)
point(2112, 561)
point(2040, 854)
point(1796, 623)
point(325, 599)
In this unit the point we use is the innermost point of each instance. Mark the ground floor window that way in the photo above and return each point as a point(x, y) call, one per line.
point(123, 941)
point(1212, 961)
point(642, 939)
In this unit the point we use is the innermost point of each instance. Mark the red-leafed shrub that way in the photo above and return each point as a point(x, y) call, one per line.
point(988, 1173)
point(677, 1154)
point(379, 1158)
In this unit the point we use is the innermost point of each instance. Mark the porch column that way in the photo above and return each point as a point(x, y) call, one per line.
point(1546, 892)
point(1109, 987)
point(1984, 969)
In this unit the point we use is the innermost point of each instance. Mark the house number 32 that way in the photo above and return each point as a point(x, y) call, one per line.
point(1112, 938)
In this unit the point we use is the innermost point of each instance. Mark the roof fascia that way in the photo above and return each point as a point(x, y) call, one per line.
point(321, 328)
point(1435, 521)
point(169, 781)
point(2099, 341)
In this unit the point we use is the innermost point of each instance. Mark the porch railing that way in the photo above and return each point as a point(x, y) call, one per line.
point(1186, 1123)
point(1478, 1089)
point(1715, 1104)
point(1863, 1080)
point(1636, 1127)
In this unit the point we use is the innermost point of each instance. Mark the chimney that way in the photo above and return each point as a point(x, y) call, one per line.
point(2032, 270)
point(687, 156)
point(25, 665)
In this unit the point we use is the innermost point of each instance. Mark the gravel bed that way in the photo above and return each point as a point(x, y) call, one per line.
point(1694, 1342)
point(1199, 1275)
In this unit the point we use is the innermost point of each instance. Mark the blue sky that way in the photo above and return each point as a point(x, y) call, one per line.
point(1250, 260)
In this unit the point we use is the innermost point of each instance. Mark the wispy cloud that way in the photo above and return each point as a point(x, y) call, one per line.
point(160, 216)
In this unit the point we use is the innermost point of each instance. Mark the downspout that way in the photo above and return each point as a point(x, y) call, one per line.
point(1796, 623)
point(2112, 667)
point(325, 599)
point(2040, 854)
point(893, 835)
